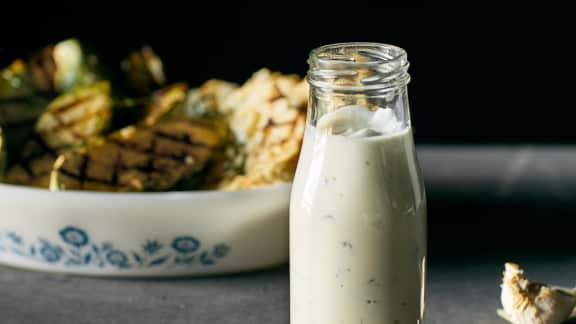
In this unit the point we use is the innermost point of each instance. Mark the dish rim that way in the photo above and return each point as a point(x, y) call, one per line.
point(19, 189)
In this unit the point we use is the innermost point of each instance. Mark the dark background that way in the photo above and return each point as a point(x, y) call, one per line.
point(477, 79)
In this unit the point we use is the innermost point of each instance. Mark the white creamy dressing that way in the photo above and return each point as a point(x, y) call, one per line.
point(357, 222)
point(357, 122)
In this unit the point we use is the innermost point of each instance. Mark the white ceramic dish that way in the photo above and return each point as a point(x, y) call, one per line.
point(144, 234)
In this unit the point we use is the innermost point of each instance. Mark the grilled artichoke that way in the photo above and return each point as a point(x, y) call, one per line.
point(60, 67)
point(27, 86)
point(144, 71)
point(138, 158)
point(54, 69)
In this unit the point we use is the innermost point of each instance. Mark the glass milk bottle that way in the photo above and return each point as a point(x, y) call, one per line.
point(358, 206)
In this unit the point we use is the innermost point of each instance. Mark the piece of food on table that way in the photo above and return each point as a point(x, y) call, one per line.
point(267, 116)
point(144, 71)
point(138, 158)
point(68, 121)
point(526, 302)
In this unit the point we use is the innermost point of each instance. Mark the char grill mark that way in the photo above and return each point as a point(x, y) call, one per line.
point(132, 147)
point(38, 149)
point(71, 105)
point(66, 126)
point(183, 138)
point(139, 155)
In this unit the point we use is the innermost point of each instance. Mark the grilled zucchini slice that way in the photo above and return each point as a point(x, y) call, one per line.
point(34, 165)
point(70, 120)
point(73, 117)
point(138, 158)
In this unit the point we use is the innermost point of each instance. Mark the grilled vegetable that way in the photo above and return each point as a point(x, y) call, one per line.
point(61, 67)
point(19, 106)
point(207, 99)
point(267, 116)
point(21, 111)
point(73, 66)
point(54, 69)
point(69, 121)
point(144, 71)
point(163, 101)
point(19, 103)
point(138, 158)
point(57, 68)
point(34, 164)
point(2, 155)
point(148, 110)
point(27, 86)
point(73, 117)
point(65, 128)
point(127, 111)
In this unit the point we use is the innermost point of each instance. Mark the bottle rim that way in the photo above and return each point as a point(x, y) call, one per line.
point(358, 67)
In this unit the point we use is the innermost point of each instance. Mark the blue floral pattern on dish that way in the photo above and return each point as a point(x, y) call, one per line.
point(74, 236)
point(185, 244)
point(76, 249)
point(50, 253)
point(151, 247)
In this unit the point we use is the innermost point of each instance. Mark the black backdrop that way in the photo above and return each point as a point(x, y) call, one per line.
point(473, 81)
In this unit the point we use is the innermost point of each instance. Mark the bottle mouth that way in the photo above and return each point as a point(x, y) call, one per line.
point(358, 67)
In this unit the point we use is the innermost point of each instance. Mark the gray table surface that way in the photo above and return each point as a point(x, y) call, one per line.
point(461, 289)
point(457, 292)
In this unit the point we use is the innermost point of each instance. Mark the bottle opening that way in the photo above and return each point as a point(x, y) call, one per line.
point(358, 67)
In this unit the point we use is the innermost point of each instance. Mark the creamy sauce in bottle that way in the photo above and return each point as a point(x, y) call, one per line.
point(357, 222)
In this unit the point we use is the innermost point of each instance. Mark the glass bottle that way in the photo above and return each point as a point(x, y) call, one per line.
point(358, 206)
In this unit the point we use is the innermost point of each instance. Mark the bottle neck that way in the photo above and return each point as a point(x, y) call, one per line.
point(363, 74)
